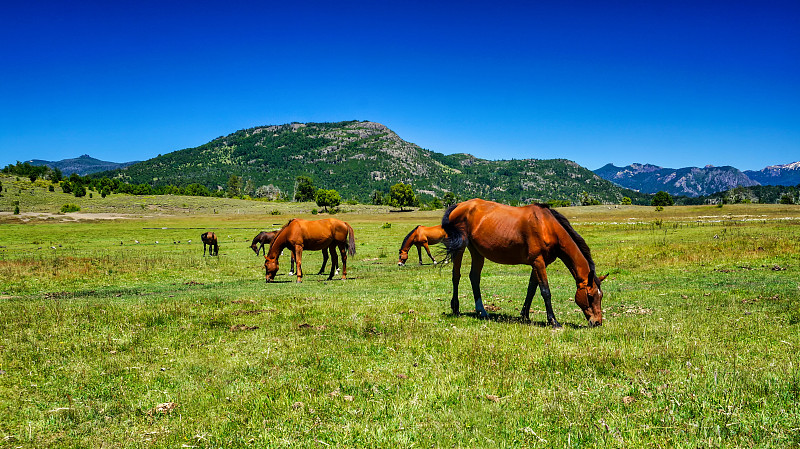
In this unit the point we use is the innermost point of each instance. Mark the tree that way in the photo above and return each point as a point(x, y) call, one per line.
point(1, 186)
point(662, 198)
point(626, 201)
point(56, 175)
point(197, 190)
point(377, 198)
point(249, 187)
point(304, 189)
point(588, 200)
point(79, 190)
point(449, 199)
point(66, 187)
point(402, 195)
point(327, 198)
point(234, 186)
point(785, 199)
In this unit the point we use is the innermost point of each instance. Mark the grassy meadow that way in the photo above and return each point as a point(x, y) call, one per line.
point(106, 342)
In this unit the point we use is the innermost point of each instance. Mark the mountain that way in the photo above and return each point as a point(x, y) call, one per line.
point(777, 175)
point(689, 181)
point(357, 158)
point(83, 165)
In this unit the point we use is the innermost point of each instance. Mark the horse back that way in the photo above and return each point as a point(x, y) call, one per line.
point(506, 234)
point(318, 234)
point(431, 234)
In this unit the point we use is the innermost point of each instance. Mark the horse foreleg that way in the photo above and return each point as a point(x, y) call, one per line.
point(475, 280)
point(533, 283)
point(456, 258)
point(324, 260)
point(297, 252)
point(541, 274)
point(419, 253)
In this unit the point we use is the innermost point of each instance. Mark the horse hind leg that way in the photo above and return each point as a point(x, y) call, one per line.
point(475, 280)
point(343, 251)
point(334, 261)
point(429, 253)
point(456, 259)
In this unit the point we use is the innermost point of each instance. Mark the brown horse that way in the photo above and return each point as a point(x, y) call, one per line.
point(532, 235)
point(210, 239)
point(266, 238)
point(299, 234)
point(421, 236)
point(263, 238)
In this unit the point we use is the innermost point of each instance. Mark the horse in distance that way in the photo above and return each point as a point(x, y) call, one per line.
point(266, 238)
point(320, 235)
point(421, 237)
point(210, 240)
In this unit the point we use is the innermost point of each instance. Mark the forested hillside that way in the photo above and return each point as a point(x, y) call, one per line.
point(359, 158)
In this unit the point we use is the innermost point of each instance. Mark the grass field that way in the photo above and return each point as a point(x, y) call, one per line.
point(105, 342)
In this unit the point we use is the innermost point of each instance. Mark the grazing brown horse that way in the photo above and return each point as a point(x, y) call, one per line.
point(299, 234)
point(266, 238)
point(263, 238)
point(210, 239)
point(421, 236)
point(532, 235)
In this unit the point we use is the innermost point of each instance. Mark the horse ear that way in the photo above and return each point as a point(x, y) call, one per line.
point(602, 278)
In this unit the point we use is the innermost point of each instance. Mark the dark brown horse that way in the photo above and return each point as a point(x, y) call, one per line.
point(263, 238)
point(320, 235)
point(533, 235)
point(210, 239)
point(266, 238)
point(421, 236)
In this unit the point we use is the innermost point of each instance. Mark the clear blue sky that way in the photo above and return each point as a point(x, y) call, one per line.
point(675, 84)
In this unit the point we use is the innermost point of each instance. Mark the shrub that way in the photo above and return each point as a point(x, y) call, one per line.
point(70, 208)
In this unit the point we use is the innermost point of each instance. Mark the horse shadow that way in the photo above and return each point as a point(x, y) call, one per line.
point(515, 319)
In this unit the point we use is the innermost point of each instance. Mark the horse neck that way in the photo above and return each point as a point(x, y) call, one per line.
point(573, 258)
point(278, 243)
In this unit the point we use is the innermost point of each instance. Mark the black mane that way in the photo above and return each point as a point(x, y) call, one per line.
point(402, 245)
point(575, 237)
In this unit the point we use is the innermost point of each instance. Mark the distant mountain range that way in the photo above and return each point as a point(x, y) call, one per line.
point(694, 181)
point(359, 158)
point(83, 165)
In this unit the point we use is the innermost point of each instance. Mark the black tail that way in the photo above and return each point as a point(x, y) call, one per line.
point(456, 238)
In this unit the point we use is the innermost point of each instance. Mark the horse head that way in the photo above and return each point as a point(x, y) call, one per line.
point(270, 267)
point(403, 257)
point(589, 297)
point(255, 248)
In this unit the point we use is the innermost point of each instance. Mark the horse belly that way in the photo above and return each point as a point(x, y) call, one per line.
point(508, 255)
point(316, 244)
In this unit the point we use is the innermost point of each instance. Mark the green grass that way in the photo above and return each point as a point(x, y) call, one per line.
point(699, 348)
